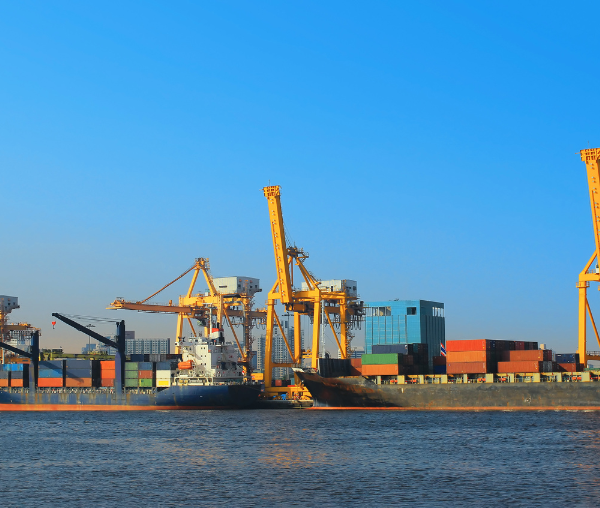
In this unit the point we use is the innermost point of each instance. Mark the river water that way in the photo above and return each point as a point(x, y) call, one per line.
point(300, 458)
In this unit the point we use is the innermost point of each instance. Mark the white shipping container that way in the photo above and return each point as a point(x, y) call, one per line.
point(163, 374)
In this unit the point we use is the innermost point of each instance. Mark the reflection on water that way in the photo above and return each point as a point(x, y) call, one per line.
point(300, 458)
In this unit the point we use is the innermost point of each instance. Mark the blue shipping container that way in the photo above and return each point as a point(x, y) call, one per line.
point(439, 369)
point(79, 364)
point(145, 365)
point(78, 373)
point(50, 373)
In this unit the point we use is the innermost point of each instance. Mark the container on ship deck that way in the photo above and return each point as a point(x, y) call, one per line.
point(18, 375)
point(135, 357)
point(79, 364)
point(567, 367)
point(163, 383)
point(146, 383)
point(469, 368)
point(439, 369)
point(380, 359)
point(50, 382)
point(468, 356)
point(47, 373)
point(469, 345)
point(145, 366)
point(4, 374)
point(105, 382)
point(380, 369)
point(567, 357)
point(11, 367)
point(107, 365)
point(19, 383)
point(85, 382)
point(389, 348)
point(131, 366)
point(131, 383)
point(54, 365)
point(527, 355)
point(165, 365)
point(4, 382)
point(78, 373)
point(145, 374)
point(107, 374)
point(131, 374)
point(519, 345)
point(519, 367)
point(439, 360)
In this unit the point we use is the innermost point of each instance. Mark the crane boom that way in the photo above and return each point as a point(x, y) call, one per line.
point(284, 279)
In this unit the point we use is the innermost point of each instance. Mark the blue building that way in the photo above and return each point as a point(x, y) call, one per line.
point(406, 322)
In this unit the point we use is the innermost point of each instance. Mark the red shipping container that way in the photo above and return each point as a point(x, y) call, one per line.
point(107, 382)
point(467, 356)
point(524, 356)
point(568, 367)
point(107, 374)
point(17, 383)
point(524, 367)
point(50, 382)
point(468, 345)
point(468, 368)
point(380, 370)
point(145, 374)
point(85, 382)
point(356, 362)
point(519, 345)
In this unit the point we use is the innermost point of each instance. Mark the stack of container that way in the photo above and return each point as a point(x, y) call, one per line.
point(333, 367)
point(80, 373)
point(471, 356)
point(439, 365)
point(412, 358)
point(163, 374)
point(51, 374)
point(145, 374)
point(4, 376)
point(131, 374)
point(381, 364)
point(568, 362)
point(19, 375)
point(526, 360)
point(355, 367)
point(107, 373)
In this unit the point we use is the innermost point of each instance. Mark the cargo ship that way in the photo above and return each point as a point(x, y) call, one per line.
point(206, 376)
point(478, 375)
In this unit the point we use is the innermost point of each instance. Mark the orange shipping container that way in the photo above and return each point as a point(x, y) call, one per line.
point(380, 370)
point(467, 368)
point(107, 382)
point(568, 367)
point(4, 382)
point(85, 382)
point(355, 362)
point(17, 383)
point(107, 364)
point(467, 345)
point(107, 374)
point(527, 356)
point(50, 382)
point(145, 374)
point(466, 356)
point(519, 367)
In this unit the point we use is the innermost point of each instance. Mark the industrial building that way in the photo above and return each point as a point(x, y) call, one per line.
point(279, 351)
point(405, 322)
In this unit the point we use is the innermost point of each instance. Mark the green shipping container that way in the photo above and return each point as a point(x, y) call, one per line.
point(131, 366)
point(131, 374)
point(145, 383)
point(380, 359)
point(131, 383)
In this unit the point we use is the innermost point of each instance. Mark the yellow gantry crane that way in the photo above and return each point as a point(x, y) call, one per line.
point(591, 271)
point(233, 307)
point(337, 305)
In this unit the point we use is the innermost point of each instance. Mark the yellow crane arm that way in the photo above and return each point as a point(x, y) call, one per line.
point(284, 279)
point(150, 307)
point(590, 157)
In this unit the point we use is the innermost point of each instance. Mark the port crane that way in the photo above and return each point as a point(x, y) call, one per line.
point(7, 305)
point(338, 306)
point(215, 307)
point(591, 271)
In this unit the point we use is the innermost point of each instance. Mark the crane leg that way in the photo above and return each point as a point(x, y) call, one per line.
point(316, 329)
point(268, 374)
point(582, 322)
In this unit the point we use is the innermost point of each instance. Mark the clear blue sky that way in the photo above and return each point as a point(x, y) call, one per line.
point(426, 149)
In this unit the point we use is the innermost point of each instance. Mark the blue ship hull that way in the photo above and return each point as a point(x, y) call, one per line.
point(89, 399)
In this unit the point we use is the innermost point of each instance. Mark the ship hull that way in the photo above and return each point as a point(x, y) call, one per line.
point(358, 392)
point(187, 397)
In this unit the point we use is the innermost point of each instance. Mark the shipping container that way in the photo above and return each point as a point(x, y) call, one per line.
point(527, 355)
point(568, 367)
point(131, 366)
point(470, 368)
point(4, 374)
point(145, 366)
point(567, 358)
point(131, 374)
point(439, 369)
point(380, 359)
point(468, 345)
point(468, 356)
point(107, 382)
point(19, 375)
point(78, 373)
point(50, 382)
point(439, 360)
point(107, 374)
point(131, 383)
point(18, 383)
point(519, 367)
point(47, 373)
point(389, 348)
point(54, 365)
point(334, 367)
point(163, 383)
point(166, 365)
point(4, 382)
point(78, 382)
point(380, 369)
point(145, 374)
point(107, 364)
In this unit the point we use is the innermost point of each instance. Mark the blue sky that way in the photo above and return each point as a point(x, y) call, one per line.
point(426, 149)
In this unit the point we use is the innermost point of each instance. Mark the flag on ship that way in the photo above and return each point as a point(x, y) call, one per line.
point(442, 350)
